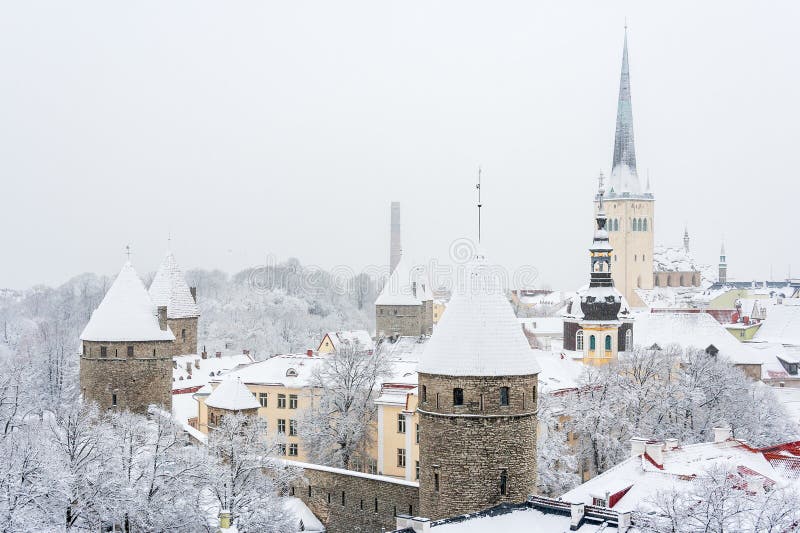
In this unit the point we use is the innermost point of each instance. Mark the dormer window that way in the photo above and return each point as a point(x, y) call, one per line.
point(712, 350)
point(291, 373)
point(789, 365)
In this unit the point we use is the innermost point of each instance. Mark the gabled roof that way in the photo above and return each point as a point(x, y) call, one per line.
point(407, 285)
point(782, 324)
point(169, 288)
point(479, 334)
point(231, 394)
point(126, 313)
point(357, 338)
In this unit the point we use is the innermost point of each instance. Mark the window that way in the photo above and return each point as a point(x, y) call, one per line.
point(293, 450)
point(436, 481)
point(281, 401)
point(282, 449)
point(608, 343)
point(503, 395)
point(281, 425)
point(417, 432)
point(598, 502)
point(616, 224)
point(437, 400)
point(84, 349)
point(416, 471)
point(579, 340)
point(401, 457)
point(424, 394)
point(262, 399)
point(628, 340)
point(372, 466)
point(183, 334)
point(130, 351)
point(504, 482)
point(343, 499)
point(103, 351)
point(401, 423)
point(293, 401)
point(481, 402)
point(376, 505)
point(154, 352)
point(645, 225)
point(293, 428)
point(592, 343)
point(113, 399)
point(458, 396)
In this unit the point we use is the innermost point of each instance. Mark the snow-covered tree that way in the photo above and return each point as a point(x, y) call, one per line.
point(555, 460)
point(245, 478)
point(336, 428)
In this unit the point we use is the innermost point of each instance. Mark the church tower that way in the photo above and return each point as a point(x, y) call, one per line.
point(597, 323)
point(126, 355)
point(630, 208)
point(477, 404)
point(169, 289)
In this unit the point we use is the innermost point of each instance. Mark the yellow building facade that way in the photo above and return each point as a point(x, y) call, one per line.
point(631, 223)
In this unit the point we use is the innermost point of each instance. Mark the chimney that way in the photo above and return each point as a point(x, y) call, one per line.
point(624, 522)
point(193, 290)
point(576, 512)
point(189, 367)
point(245, 352)
point(415, 523)
point(218, 355)
point(310, 352)
point(162, 317)
point(637, 446)
point(670, 444)
point(197, 363)
point(655, 449)
point(721, 434)
point(204, 354)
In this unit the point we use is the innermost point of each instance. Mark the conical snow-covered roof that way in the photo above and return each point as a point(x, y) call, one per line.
point(479, 335)
point(407, 285)
point(231, 394)
point(126, 313)
point(169, 288)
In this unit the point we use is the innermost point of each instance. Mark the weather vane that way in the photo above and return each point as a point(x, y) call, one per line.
point(128, 252)
point(478, 186)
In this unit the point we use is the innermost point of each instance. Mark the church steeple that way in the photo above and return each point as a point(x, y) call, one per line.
point(624, 178)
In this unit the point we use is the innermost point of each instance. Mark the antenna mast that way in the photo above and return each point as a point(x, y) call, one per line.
point(478, 186)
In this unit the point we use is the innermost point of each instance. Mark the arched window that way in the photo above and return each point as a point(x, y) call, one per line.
point(628, 340)
point(645, 224)
point(608, 343)
point(592, 343)
point(616, 224)
point(579, 340)
point(424, 393)
point(458, 396)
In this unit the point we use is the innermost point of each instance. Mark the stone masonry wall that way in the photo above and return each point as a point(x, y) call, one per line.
point(404, 320)
point(471, 447)
point(188, 345)
point(323, 490)
point(136, 381)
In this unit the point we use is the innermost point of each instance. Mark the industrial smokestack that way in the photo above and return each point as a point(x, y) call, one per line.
point(395, 248)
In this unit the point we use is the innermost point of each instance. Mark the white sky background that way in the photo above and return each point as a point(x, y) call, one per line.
point(248, 128)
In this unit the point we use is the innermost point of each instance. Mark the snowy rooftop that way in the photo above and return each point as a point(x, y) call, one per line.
point(407, 285)
point(126, 313)
point(404, 348)
point(292, 371)
point(527, 519)
point(233, 395)
point(203, 370)
point(573, 308)
point(697, 330)
point(645, 478)
point(781, 325)
point(169, 288)
point(357, 338)
point(559, 372)
point(479, 334)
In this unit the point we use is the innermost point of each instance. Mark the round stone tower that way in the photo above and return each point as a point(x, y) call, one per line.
point(477, 405)
point(126, 355)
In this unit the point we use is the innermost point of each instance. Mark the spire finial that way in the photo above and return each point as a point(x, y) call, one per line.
point(478, 186)
point(128, 252)
point(600, 190)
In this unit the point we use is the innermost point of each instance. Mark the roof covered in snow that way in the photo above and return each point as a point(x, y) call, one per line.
point(479, 334)
point(169, 288)
point(231, 394)
point(126, 313)
point(519, 518)
point(359, 339)
point(203, 370)
point(559, 372)
point(691, 330)
point(407, 285)
point(782, 324)
point(677, 467)
point(291, 370)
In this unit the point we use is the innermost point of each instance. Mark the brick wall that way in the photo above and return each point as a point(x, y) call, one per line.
point(322, 489)
point(473, 446)
point(136, 381)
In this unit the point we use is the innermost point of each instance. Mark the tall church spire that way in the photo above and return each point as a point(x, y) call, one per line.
point(623, 168)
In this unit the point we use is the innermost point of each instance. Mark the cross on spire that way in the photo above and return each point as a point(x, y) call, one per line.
point(128, 252)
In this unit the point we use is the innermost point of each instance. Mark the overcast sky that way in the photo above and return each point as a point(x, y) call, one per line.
point(287, 128)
